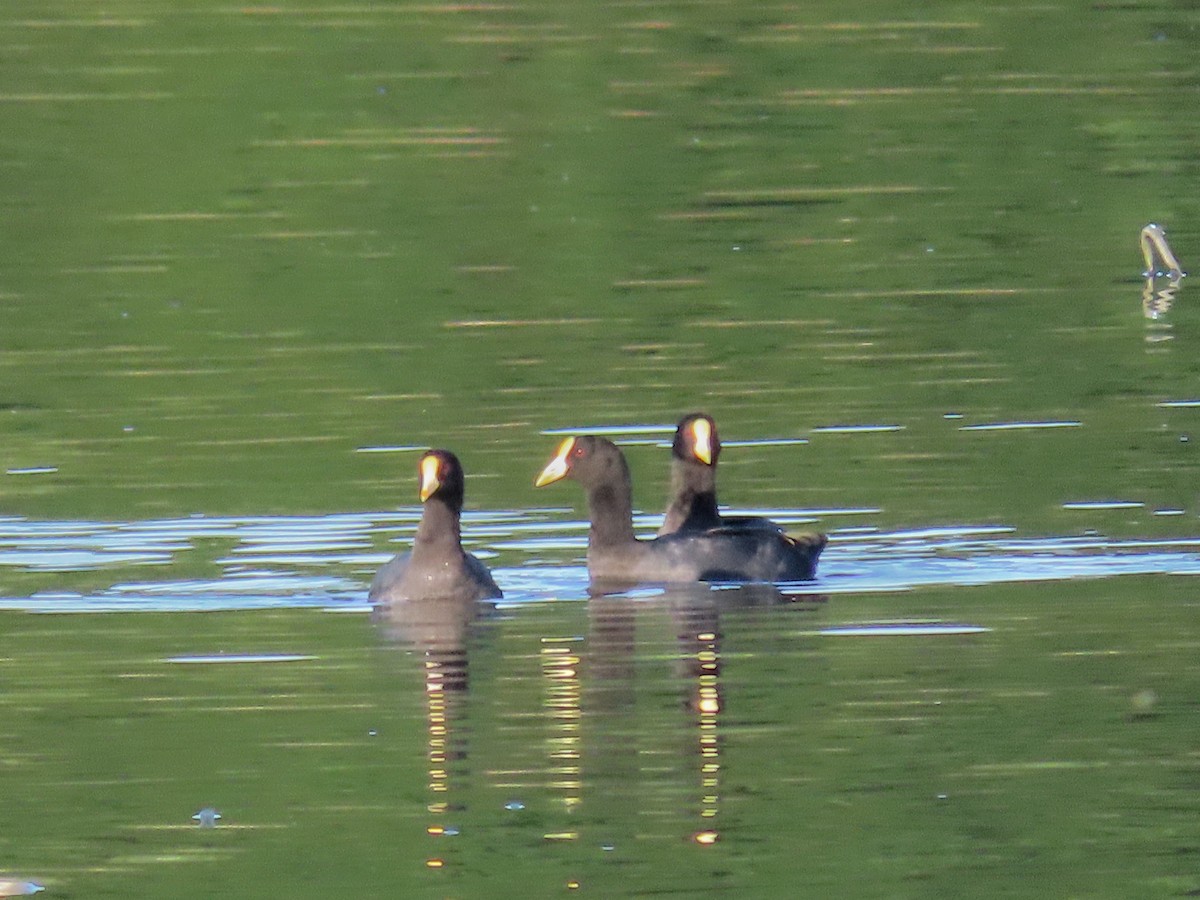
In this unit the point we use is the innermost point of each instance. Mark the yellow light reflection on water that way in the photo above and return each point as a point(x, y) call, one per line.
point(707, 666)
point(563, 706)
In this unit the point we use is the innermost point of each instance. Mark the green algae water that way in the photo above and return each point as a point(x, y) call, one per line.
point(241, 242)
point(1052, 751)
point(254, 258)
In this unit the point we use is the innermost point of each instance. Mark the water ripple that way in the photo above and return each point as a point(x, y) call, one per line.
point(856, 429)
point(901, 629)
point(1019, 426)
point(537, 555)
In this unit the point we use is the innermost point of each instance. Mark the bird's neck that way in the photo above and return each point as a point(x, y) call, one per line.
point(439, 529)
point(694, 499)
point(610, 509)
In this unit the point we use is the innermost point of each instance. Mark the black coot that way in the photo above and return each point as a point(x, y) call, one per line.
point(615, 553)
point(692, 505)
point(437, 567)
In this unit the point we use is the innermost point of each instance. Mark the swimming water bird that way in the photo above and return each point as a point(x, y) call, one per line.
point(615, 553)
point(437, 567)
point(692, 505)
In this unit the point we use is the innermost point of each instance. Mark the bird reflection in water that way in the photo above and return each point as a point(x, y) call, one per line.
point(697, 630)
point(612, 767)
point(696, 614)
point(439, 630)
point(600, 735)
point(560, 671)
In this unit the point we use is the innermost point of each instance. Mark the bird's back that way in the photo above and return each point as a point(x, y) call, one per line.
point(720, 554)
point(460, 577)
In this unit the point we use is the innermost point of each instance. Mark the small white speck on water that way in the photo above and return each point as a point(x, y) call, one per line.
point(207, 817)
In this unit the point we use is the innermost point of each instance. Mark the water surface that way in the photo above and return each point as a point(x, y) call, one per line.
point(254, 259)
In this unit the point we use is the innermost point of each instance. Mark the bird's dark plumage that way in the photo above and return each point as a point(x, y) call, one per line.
point(615, 553)
point(437, 567)
point(692, 505)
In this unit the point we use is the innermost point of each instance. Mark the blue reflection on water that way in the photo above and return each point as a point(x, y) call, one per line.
point(537, 555)
point(237, 658)
point(856, 429)
point(1020, 426)
point(15, 887)
point(610, 430)
point(901, 629)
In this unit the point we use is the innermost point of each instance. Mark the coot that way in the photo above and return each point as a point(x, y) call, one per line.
point(615, 553)
point(692, 505)
point(437, 567)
